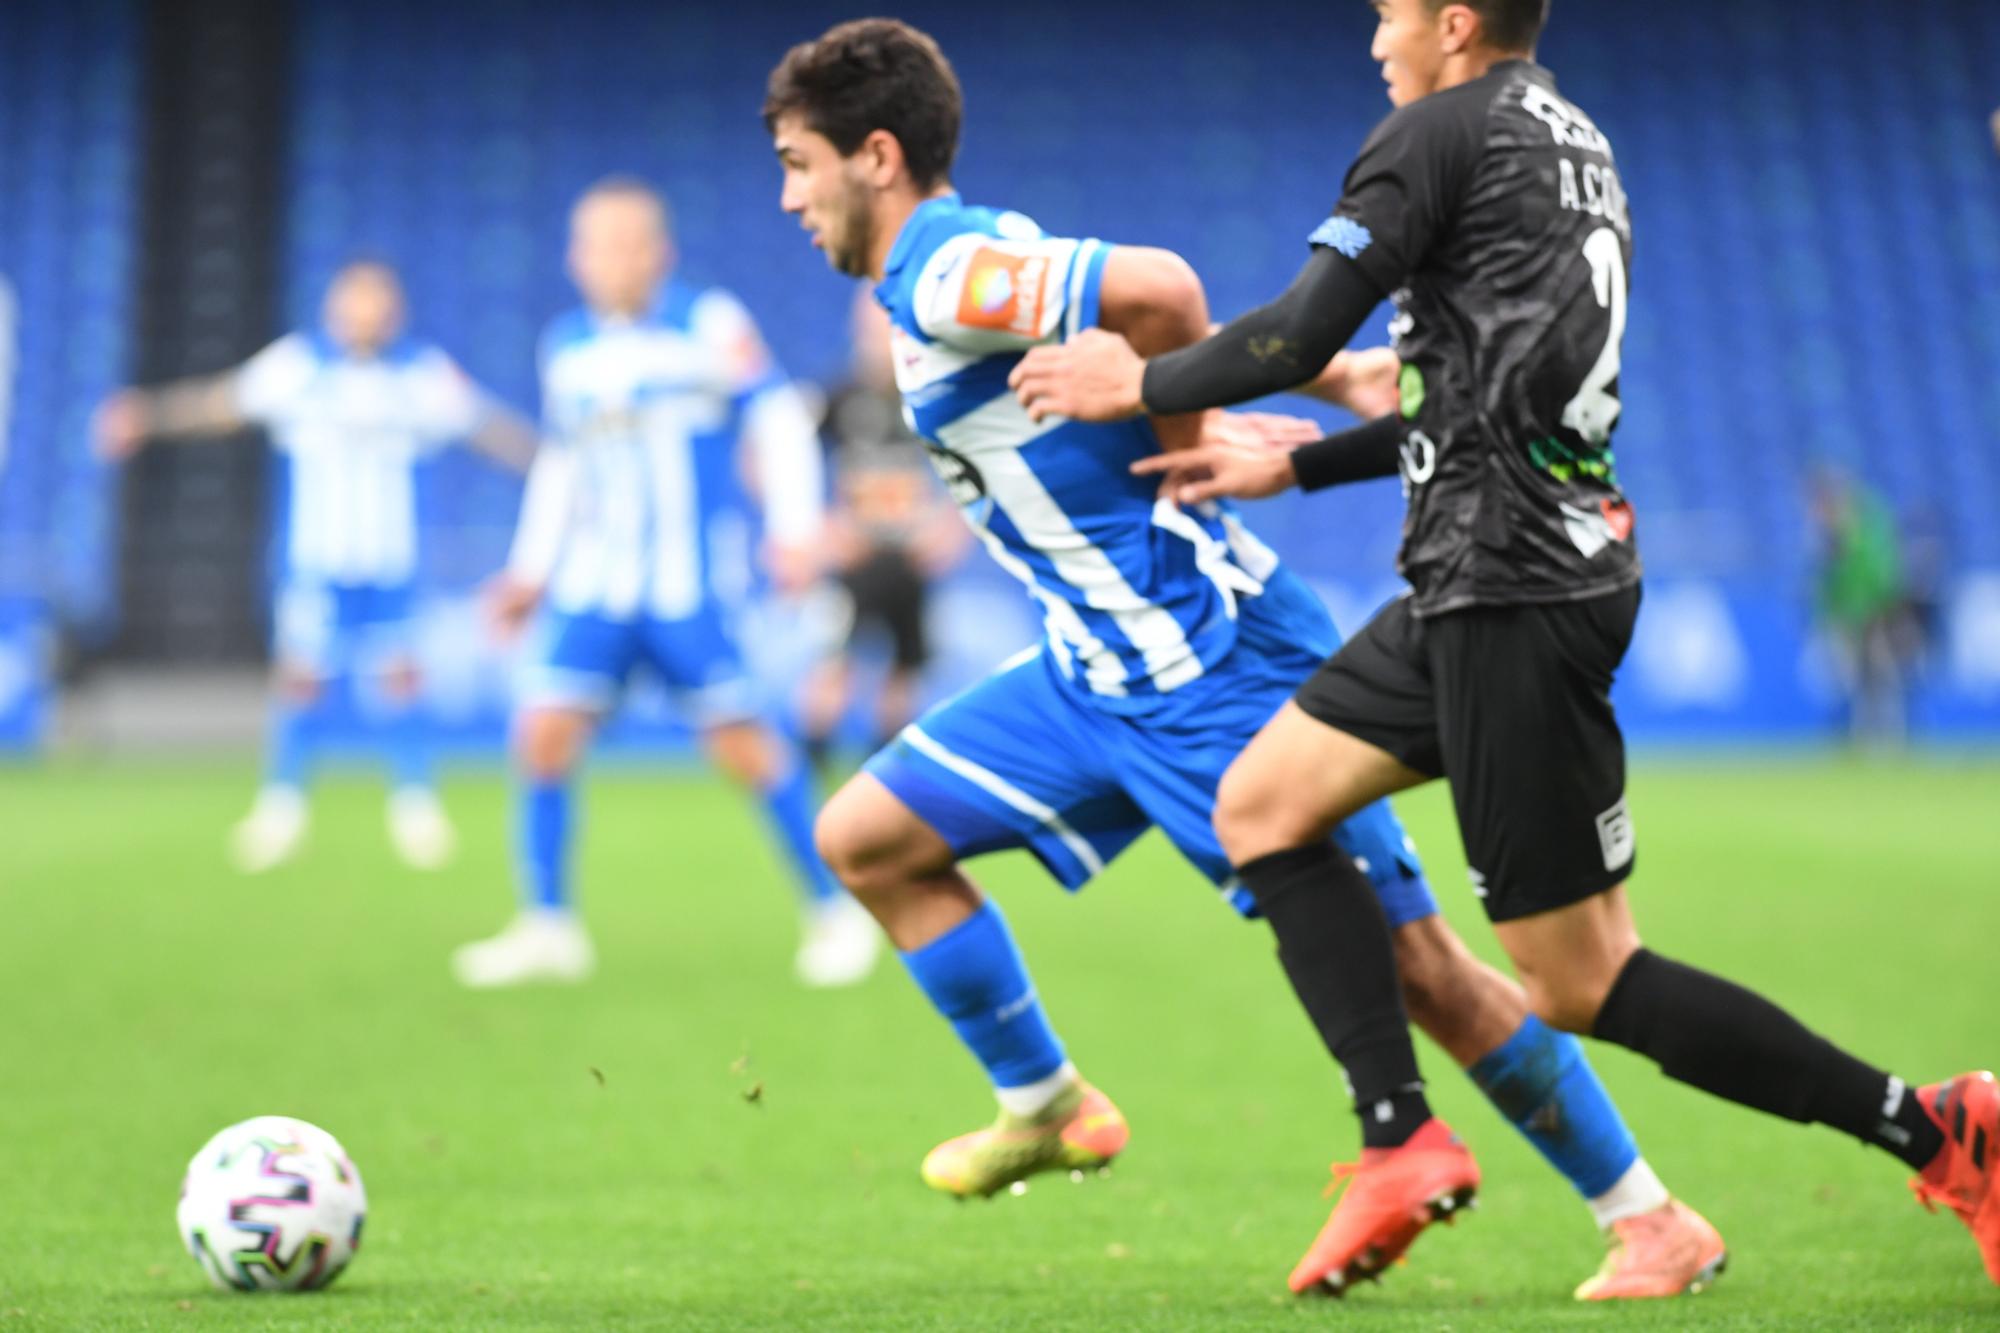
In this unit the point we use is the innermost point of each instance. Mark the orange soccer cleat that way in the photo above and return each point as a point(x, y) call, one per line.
point(1965, 1177)
point(1392, 1194)
point(1665, 1252)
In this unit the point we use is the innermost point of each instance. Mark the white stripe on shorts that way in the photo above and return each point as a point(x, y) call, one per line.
point(992, 782)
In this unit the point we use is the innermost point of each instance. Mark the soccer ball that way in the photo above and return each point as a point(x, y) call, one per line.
point(272, 1204)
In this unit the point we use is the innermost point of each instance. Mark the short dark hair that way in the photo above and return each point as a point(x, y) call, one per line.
point(868, 75)
point(1510, 25)
point(625, 185)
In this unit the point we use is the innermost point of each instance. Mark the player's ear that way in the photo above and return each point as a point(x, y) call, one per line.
point(1458, 28)
point(881, 159)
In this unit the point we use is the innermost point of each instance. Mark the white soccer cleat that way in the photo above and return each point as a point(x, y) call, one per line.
point(420, 830)
point(272, 833)
point(535, 946)
point(840, 945)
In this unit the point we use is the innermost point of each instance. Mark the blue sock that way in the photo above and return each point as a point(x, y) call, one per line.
point(545, 825)
point(291, 745)
point(974, 976)
point(789, 808)
point(409, 750)
point(1540, 1080)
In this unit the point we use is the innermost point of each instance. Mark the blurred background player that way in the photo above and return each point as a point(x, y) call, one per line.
point(1862, 605)
point(889, 535)
point(352, 408)
point(636, 534)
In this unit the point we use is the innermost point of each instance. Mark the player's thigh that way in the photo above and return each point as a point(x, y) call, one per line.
point(1533, 750)
point(1358, 729)
point(870, 837)
point(574, 668)
point(306, 640)
point(1296, 781)
point(1015, 761)
point(577, 662)
point(383, 631)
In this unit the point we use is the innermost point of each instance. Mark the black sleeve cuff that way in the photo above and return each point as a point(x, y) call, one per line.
point(1361, 454)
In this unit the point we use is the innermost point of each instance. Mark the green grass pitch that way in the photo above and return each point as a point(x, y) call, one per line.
point(594, 1158)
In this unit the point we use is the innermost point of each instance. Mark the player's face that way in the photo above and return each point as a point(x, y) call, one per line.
point(364, 308)
point(826, 193)
point(1409, 46)
point(618, 252)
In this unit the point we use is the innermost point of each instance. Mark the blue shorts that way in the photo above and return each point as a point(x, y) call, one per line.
point(579, 660)
point(329, 629)
point(1025, 759)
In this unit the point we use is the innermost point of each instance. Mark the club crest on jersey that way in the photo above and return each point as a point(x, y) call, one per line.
point(1003, 292)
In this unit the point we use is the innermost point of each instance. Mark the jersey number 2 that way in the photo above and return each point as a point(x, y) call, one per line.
point(1594, 410)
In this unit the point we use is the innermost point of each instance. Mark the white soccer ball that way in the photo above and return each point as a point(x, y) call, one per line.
point(272, 1204)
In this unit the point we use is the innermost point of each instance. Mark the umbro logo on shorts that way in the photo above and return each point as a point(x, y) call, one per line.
point(1615, 836)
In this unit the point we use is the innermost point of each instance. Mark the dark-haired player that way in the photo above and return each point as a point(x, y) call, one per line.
point(1172, 635)
point(1489, 207)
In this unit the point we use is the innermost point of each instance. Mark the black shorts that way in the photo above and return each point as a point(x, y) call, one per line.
point(1512, 704)
point(890, 592)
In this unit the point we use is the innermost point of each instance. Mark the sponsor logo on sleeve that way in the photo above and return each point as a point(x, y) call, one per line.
point(1343, 236)
point(1004, 292)
point(1615, 837)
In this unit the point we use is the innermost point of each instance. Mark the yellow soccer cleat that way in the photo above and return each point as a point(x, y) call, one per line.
point(1079, 1131)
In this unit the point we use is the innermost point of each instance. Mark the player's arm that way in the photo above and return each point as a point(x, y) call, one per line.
point(259, 392)
point(779, 439)
point(1274, 348)
point(199, 408)
point(1365, 382)
point(1154, 300)
point(503, 435)
point(547, 504)
point(791, 482)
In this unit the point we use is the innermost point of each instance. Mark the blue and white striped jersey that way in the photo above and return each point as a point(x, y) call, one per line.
point(638, 502)
point(353, 430)
point(1138, 596)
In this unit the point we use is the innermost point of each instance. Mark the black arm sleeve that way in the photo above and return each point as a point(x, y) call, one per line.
point(1276, 347)
point(1374, 449)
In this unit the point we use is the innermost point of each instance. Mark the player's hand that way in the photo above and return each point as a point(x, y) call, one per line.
point(1247, 455)
point(793, 567)
point(118, 426)
point(1095, 376)
point(509, 602)
point(1366, 383)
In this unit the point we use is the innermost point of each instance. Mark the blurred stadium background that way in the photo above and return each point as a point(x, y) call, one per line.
point(1817, 279)
point(694, 1142)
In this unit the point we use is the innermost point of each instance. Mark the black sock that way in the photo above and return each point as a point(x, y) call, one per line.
point(1728, 1041)
point(1334, 943)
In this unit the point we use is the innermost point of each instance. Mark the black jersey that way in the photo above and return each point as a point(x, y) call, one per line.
point(1494, 214)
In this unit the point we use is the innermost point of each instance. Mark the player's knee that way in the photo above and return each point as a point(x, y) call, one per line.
point(1253, 817)
point(546, 745)
point(1565, 999)
point(402, 682)
point(298, 687)
point(869, 843)
point(744, 752)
